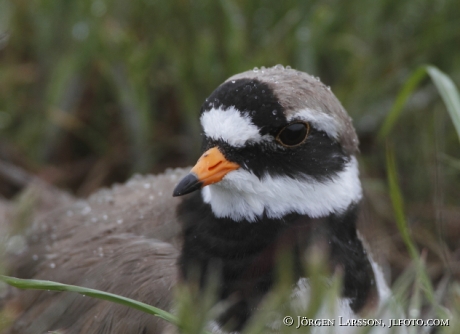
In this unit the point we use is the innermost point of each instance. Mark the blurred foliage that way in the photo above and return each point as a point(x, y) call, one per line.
point(92, 91)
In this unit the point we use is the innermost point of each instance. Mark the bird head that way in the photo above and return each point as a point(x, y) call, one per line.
point(275, 141)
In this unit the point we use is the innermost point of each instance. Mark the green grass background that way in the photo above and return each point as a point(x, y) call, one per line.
point(92, 91)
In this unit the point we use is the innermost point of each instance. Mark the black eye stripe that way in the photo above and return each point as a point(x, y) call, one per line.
point(293, 134)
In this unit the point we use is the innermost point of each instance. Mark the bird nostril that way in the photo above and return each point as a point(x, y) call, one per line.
point(214, 166)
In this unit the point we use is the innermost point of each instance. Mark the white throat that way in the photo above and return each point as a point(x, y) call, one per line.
point(242, 195)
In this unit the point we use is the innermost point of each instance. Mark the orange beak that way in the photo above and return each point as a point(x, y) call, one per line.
point(210, 168)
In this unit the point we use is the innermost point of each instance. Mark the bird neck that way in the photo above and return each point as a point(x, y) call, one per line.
point(245, 252)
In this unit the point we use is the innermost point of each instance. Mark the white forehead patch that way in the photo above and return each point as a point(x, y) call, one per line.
point(318, 120)
point(242, 195)
point(230, 125)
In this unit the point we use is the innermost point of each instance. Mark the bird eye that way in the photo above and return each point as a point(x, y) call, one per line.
point(293, 134)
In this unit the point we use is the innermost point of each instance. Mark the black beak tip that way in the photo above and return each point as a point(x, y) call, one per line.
point(188, 184)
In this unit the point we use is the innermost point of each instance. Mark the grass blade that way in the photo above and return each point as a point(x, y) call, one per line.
point(422, 277)
point(446, 88)
point(410, 85)
point(398, 204)
point(449, 94)
point(54, 286)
